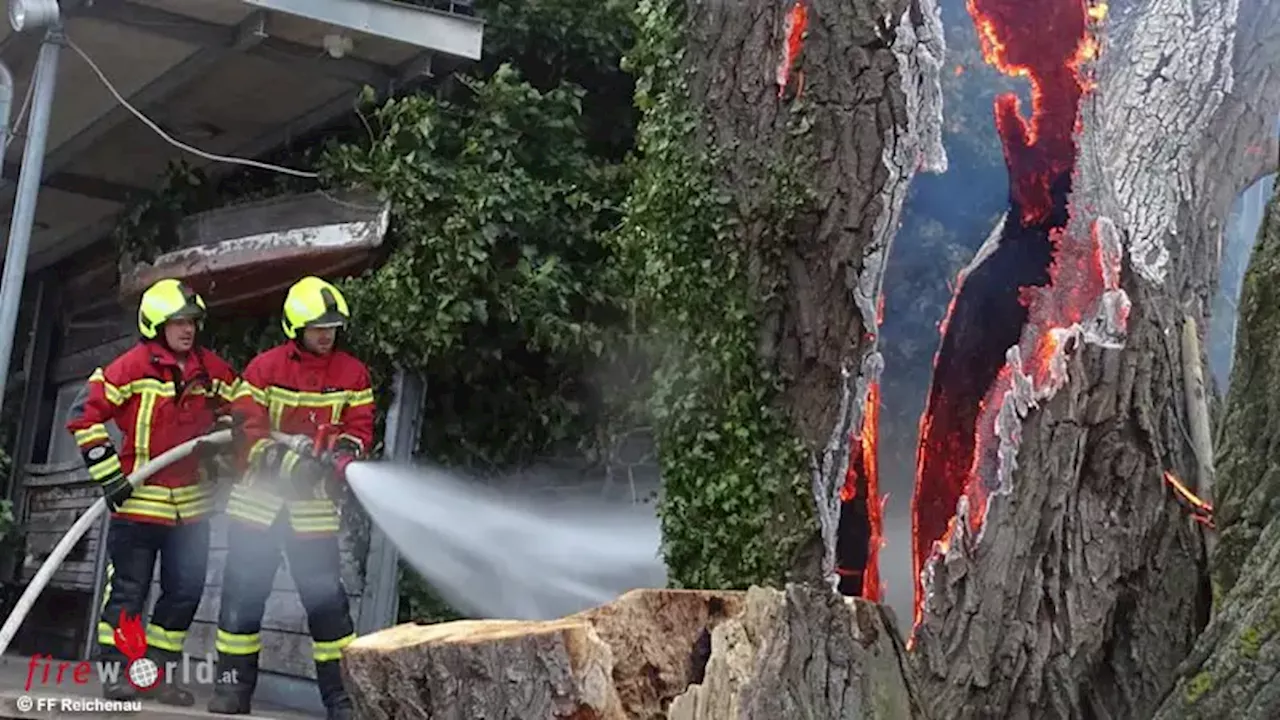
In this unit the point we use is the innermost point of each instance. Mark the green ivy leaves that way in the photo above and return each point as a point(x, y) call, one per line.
point(500, 272)
point(734, 476)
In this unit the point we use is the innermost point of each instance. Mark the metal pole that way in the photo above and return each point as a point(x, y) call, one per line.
point(6, 106)
point(24, 209)
point(380, 599)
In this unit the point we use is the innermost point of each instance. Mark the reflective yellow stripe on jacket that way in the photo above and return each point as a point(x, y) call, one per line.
point(259, 506)
point(116, 395)
point(96, 435)
point(246, 389)
point(226, 391)
point(169, 504)
point(152, 390)
point(149, 390)
point(91, 436)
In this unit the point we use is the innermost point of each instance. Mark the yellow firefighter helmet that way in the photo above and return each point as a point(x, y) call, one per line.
point(167, 300)
point(313, 302)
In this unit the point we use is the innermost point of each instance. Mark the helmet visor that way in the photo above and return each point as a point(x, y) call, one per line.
point(189, 311)
point(331, 318)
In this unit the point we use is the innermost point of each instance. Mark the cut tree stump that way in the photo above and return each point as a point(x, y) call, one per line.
point(650, 655)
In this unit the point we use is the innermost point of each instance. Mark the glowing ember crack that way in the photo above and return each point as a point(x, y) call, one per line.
point(1029, 299)
point(1201, 511)
point(862, 508)
point(793, 33)
point(1049, 50)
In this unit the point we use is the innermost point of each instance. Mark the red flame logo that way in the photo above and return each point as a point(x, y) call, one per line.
point(131, 641)
point(131, 638)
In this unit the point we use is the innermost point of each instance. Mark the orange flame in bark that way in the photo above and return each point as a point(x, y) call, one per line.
point(796, 24)
point(1048, 43)
point(1201, 511)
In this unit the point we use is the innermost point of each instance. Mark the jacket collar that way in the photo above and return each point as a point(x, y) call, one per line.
point(297, 352)
point(164, 357)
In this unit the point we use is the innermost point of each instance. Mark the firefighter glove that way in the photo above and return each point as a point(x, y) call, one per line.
point(104, 467)
point(116, 489)
point(234, 423)
point(345, 451)
point(207, 451)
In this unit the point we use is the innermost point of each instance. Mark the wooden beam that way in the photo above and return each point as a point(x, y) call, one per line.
point(331, 109)
point(67, 246)
point(380, 601)
point(187, 29)
point(44, 320)
point(248, 34)
point(74, 183)
point(429, 29)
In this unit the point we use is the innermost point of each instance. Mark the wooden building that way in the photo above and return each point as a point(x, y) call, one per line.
point(232, 77)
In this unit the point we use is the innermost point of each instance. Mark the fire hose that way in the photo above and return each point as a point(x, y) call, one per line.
point(91, 516)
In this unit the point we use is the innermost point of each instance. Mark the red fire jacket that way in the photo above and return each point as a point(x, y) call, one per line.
point(157, 405)
point(290, 390)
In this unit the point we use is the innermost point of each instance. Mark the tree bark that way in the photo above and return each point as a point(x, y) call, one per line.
point(1084, 586)
point(864, 91)
point(804, 652)
point(1233, 667)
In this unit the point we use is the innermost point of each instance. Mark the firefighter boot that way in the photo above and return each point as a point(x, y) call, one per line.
point(337, 703)
point(237, 676)
point(170, 692)
point(117, 687)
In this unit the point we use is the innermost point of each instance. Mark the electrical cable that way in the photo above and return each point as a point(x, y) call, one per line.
point(177, 143)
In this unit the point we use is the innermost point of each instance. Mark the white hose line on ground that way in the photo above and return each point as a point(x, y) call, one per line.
point(86, 521)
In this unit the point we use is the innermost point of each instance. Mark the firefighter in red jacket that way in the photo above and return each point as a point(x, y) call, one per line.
point(301, 388)
point(162, 392)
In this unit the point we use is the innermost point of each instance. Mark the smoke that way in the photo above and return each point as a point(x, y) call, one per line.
point(513, 551)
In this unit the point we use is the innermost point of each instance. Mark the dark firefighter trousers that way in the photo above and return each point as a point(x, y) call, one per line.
point(131, 549)
point(253, 554)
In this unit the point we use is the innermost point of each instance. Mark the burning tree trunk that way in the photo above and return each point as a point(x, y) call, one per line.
point(1059, 574)
point(1231, 669)
point(863, 80)
point(817, 113)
